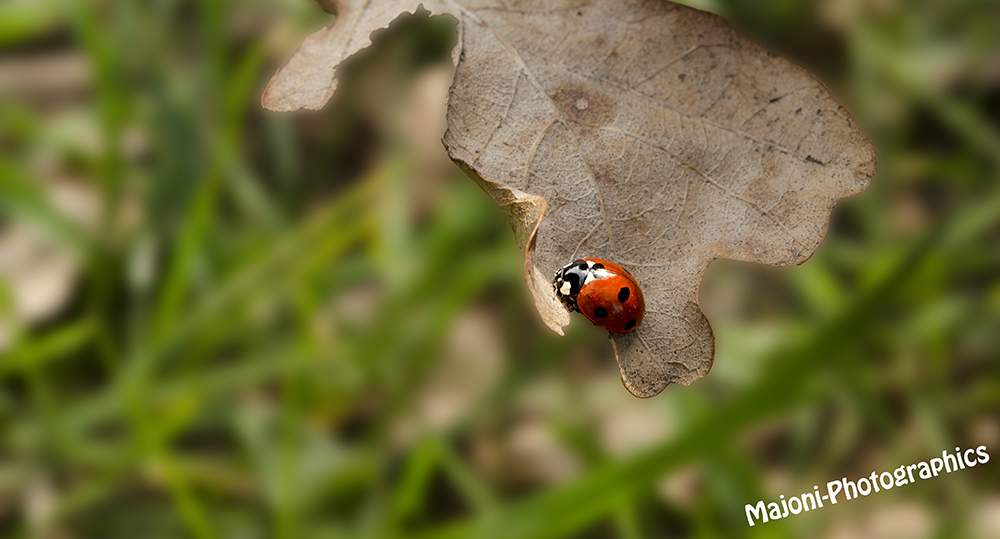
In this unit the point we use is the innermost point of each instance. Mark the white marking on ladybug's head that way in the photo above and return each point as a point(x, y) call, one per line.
point(565, 288)
point(590, 264)
point(596, 274)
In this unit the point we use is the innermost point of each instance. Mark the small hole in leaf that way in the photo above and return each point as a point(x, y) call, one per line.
point(600, 312)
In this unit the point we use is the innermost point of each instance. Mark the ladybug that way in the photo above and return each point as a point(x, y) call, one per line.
point(603, 291)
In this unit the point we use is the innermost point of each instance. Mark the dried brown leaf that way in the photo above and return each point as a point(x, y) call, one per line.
point(641, 131)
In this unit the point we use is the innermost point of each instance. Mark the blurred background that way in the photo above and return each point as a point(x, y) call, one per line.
point(221, 322)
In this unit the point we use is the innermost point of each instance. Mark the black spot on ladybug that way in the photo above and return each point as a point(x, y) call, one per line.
point(573, 280)
point(598, 266)
point(584, 266)
point(600, 312)
point(623, 294)
point(630, 325)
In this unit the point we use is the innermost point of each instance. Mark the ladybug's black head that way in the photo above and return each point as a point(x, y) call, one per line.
point(569, 280)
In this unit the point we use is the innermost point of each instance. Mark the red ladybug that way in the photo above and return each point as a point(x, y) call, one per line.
point(603, 291)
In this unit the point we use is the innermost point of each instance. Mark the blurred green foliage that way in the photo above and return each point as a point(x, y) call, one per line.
point(304, 325)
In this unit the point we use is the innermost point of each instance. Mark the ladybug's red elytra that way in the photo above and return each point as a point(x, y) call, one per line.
point(603, 291)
